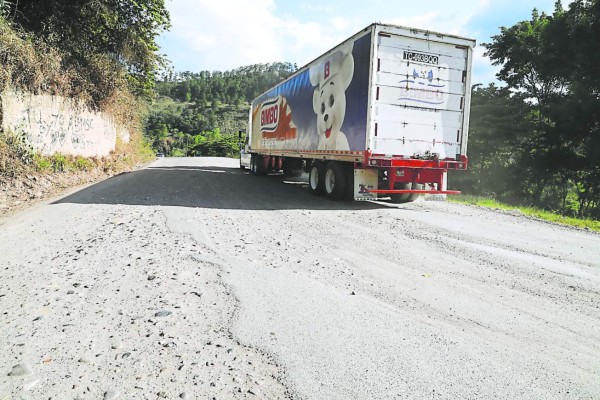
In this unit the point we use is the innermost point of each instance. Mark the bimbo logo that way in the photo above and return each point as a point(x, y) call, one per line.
point(326, 70)
point(269, 115)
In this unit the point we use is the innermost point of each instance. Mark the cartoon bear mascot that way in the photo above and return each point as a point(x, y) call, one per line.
point(331, 77)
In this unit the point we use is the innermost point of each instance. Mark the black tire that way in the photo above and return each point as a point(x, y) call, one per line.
point(256, 166)
point(335, 180)
point(414, 196)
point(253, 165)
point(316, 178)
point(401, 198)
point(349, 195)
point(406, 197)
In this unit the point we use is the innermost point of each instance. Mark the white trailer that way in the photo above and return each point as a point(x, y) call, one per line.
point(385, 113)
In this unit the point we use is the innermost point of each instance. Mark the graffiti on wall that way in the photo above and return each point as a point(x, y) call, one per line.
point(53, 124)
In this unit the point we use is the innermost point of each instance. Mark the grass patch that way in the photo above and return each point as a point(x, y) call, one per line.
point(60, 163)
point(83, 164)
point(528, 211)
point(41, 163)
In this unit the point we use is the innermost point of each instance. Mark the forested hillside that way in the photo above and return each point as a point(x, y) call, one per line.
point(201, 113)
point(536, 141)
point(534, 138)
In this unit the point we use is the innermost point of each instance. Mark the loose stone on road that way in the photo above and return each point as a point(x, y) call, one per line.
point(192, 279)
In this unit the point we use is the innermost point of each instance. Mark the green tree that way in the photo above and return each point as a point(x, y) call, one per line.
point(498, 136)
point(214, 144)
point(212, 123)
point(552, 62)
point(122, 30)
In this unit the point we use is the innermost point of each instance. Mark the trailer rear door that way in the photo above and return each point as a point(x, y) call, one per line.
point(420, 96)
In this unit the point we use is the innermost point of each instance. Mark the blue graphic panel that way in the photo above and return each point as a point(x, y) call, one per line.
point(322, 108)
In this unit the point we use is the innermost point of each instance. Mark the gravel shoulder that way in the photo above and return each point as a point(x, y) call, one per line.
point(191, 278)
point(105, 302)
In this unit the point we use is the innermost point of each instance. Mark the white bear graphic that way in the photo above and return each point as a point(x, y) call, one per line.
point(331, 77)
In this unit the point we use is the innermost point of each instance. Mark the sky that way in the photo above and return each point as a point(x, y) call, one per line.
point(219, 35)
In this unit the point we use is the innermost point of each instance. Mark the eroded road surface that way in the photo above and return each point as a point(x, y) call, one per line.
point(192, 279)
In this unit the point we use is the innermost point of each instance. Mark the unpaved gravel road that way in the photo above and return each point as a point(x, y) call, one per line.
point(191, 279)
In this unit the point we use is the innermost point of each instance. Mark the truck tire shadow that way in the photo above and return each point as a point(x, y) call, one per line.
point(208, 187)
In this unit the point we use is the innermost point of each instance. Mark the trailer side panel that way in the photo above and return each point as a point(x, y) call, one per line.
point(323, 107)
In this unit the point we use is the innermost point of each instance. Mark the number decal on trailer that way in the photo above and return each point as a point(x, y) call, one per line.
point(421, 57)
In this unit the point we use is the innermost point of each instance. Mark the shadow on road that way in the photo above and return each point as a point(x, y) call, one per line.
point(208, 187)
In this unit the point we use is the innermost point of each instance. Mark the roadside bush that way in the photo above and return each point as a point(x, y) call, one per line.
point(31, 65)
point(28, 64)
point(41, 163)
point(59, 163)
point(83, 164)
point(18, 146)
point(215, 145)
point(15, 153)
point(6, 159)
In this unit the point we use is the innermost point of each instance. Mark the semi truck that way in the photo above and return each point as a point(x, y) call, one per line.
point(383, 114)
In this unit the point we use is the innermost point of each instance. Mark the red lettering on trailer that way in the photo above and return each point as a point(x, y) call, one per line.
point(269, 116)
point(276, 121)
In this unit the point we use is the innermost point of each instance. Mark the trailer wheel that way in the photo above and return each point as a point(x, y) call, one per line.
point(316, 178)
point(401, 198)
point(256, 166)
point(414, 196)
point(335, 180)
point(407, 197)
point(349, 195)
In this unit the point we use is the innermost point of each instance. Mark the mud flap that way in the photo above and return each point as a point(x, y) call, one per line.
point(364, 181)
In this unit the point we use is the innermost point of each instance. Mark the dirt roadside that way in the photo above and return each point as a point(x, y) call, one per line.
point(109, 302)
point(20, 192)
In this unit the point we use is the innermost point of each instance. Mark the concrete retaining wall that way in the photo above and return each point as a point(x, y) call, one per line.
point(53, 124)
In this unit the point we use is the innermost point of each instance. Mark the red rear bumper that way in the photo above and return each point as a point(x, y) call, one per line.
point(415, 191)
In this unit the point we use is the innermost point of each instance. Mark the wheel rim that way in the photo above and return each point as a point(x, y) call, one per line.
point(314, 178)
point(329, 181)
